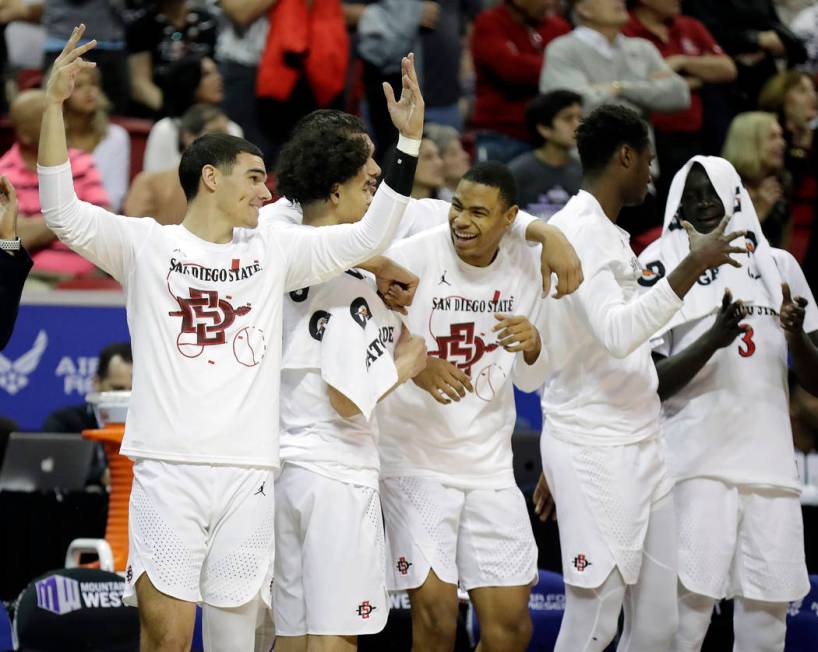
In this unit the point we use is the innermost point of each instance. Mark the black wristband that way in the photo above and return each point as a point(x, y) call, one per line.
point(400, 172)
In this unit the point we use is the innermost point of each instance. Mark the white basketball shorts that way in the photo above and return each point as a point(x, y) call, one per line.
point(740, 541)
point(604, 497)
point(481, 537)
point(329, 575)
point(202, 533)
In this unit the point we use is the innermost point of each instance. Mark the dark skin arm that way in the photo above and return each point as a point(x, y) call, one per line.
point(803, 346)
point(706, 250)
point(678, 370)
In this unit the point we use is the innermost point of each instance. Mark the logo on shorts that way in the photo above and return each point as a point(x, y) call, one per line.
point(365, 609)
point(403, 566)
point(261, 489)
point(129, 574)
point(580, 562)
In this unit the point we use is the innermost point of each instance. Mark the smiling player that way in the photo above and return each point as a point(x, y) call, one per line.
point(453, 512)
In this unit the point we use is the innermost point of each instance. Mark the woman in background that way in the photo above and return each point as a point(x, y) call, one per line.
point(88, 129)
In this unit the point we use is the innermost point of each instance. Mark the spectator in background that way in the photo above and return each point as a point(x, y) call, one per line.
point(19, 164)
point(805, 27)
point(303, 66)
point(114, 374)
point(429, 177)
point(750, 32)
point(755, 146)
point(602, 65)
point(442, 48)
point(238, 50)
point(88, 129)
point(387, 30)
point(191, 80)
point(160, 194)
point(791, 96)
point(103, 19)
point(690, 51)
point(12, 11)
point(550, 175)
point(456, 160)
point(159, 34)
point(507, 45)
point(15, 264)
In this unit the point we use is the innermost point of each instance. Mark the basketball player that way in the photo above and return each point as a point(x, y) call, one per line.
point(599, 446)
point(204, 303)
point(722, 367)
point(343, 351)
point(452, 510)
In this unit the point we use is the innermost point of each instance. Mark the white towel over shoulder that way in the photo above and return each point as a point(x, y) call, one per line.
point(348, 333)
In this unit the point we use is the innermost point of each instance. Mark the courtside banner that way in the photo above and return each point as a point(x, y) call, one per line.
point(51, 358)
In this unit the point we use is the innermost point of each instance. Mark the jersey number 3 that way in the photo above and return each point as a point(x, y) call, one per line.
point(747, 346)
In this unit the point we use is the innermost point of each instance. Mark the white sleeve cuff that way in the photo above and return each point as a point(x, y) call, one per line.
point(409, 146)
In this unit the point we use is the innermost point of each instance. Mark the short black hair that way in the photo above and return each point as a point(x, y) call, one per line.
point(325, 148)
point(544, 108)
point(121, 349)
point(604, 131)
point(495, 175)
point(219, 150)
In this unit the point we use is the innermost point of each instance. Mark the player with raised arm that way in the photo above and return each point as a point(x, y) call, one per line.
point(204, 303)
point(452, 510)
point(722, 366)
point(600, 445)
point(343, 351)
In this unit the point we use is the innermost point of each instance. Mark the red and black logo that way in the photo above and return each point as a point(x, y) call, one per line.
point(580, 562)
point(403, 566)
point(462, 347)
point(207, 316)
point(365, 609)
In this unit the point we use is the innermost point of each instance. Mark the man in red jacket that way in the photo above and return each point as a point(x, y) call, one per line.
point(507, 45)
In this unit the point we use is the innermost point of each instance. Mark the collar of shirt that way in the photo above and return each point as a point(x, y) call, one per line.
point(590, 205)
point(598, 42)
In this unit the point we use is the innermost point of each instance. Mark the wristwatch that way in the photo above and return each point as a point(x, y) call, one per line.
point(10, 245)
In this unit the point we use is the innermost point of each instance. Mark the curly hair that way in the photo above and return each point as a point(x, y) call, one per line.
point(324, 149)
point(604, 131)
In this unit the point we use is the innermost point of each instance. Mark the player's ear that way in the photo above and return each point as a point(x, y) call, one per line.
point(626, 155)
point(335, 194)
point(210, 176)
point(510, 215)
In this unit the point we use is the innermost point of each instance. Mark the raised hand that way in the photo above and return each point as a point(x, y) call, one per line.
point(544, 505)
point(444, 381)
point(67, 66)
point(713, 249)
point(407, 112)
point(727, 326)
point(793, 310)
point(8, 210)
